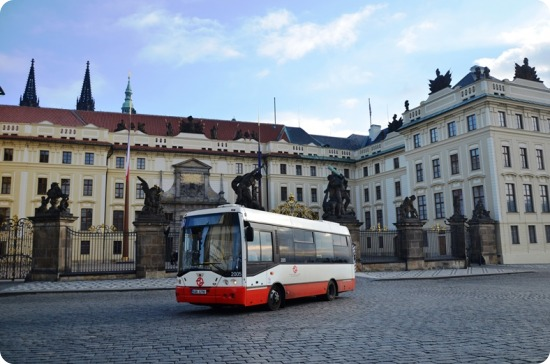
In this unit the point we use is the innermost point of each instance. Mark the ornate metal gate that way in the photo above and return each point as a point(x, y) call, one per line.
point(16, 237)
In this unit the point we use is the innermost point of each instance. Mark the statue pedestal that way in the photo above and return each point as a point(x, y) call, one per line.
point(52, 251)
point(411, 242)
point(150, 247)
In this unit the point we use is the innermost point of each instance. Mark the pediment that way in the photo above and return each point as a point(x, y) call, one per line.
point(192, 163)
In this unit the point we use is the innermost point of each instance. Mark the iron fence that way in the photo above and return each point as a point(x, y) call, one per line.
point(379, 246)
point(437, 244)
point(171, 255)
point(100, 250)
point(16, 237)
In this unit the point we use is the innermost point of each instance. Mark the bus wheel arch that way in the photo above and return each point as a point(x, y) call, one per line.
point(332, 290)
point(275, 297)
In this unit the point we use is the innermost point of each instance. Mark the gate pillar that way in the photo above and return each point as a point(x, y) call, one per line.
point(150, 249)
point(52, 251)
point(411, 244)
point(353, 228)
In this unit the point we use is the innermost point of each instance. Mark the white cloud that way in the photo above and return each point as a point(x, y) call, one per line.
point(285, 40)
point(263, 73)
point(350, 103)
point(413, 35)
point(313, 124)
point(171, 38)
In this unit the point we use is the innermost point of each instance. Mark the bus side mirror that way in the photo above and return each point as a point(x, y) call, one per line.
point(249, 233)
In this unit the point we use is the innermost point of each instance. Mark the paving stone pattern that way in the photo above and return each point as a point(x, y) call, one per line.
point(502, 318)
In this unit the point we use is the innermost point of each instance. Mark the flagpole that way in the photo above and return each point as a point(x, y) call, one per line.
point(125, 242)
point(370, 114)
point(259, 163)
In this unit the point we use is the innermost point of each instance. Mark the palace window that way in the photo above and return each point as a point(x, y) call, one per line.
point(436, 168)
point(540, 159)
point(119, 190)
point(88, 187)
point(519, 121)
point(528, 197)
point(455, 167)
point(511, 197)
point(8, 154)
point(502, 118)
point(451, 129)
point(474, 159)
point(89, 159)
point(523, 157)
point(44, 156)
point(506, 156)
point(67, 158)
point(120, 162)
point(42, 186)
point(439, 205)
point(472, 123)
point(6, 185)
point(433, 135)
point(419, 173)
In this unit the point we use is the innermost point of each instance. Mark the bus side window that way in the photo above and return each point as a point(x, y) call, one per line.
point(286, 245)
point(261, 248)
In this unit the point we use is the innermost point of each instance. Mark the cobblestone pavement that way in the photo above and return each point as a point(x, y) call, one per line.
point(501, 318)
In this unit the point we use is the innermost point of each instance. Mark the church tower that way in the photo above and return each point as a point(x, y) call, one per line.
point(128, 100)
point(29, 97)
point(86, 102)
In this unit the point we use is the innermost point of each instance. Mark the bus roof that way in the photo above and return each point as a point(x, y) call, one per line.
point(265, 217)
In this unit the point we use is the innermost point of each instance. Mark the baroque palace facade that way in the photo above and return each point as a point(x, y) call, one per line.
point(483, 140)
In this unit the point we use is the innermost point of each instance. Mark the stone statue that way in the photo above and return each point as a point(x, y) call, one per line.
point(479, 213)
point(245, 188)
point(406, 105)
point(169, 129)
point(407, 210)
point(120, 126)
point(59, 201)
point(440, 82)
point(152, 198)
point(337, 196)
point(526, 72)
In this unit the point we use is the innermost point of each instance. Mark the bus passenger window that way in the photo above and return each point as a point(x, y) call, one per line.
point(261, 248)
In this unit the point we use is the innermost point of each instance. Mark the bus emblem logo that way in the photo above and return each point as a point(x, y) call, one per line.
point(295, 269)
point(200, 281)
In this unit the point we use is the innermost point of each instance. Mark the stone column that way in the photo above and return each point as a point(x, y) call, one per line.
point(458, 236)
point(353, 228)
point(483, 242)
point(52, 251)
point(411, 242)
point(150, 247)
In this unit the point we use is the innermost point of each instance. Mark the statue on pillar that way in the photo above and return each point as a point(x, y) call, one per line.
point(152, 199)
point(407, 210)
point(59, 202)
point(337, 197)
point(479, 214)
point(246, 190)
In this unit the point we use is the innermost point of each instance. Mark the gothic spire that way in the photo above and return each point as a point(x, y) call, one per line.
point(29, 97)
point(86, 101)
point(128, 100)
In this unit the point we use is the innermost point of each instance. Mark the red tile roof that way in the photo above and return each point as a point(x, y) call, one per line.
point(152, 124)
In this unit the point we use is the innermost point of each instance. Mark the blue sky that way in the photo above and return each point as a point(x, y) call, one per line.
point(224, 59)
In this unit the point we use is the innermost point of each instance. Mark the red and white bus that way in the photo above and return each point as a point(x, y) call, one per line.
point(231, 255)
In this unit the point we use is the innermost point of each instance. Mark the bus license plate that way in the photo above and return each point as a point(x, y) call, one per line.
point(198, 291)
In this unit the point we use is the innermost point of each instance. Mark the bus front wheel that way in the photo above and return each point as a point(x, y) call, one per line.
point(331, 291)
point(275, 298)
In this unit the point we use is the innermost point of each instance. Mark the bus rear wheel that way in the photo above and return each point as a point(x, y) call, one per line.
point(331, 291)
point(275, 298)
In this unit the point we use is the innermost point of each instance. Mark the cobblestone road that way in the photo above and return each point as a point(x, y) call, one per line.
point(491, 319)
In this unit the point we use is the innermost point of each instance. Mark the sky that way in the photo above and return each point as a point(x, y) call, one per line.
point(330, 67)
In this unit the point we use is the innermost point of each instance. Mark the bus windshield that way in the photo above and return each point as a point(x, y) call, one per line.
point(211, 242)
